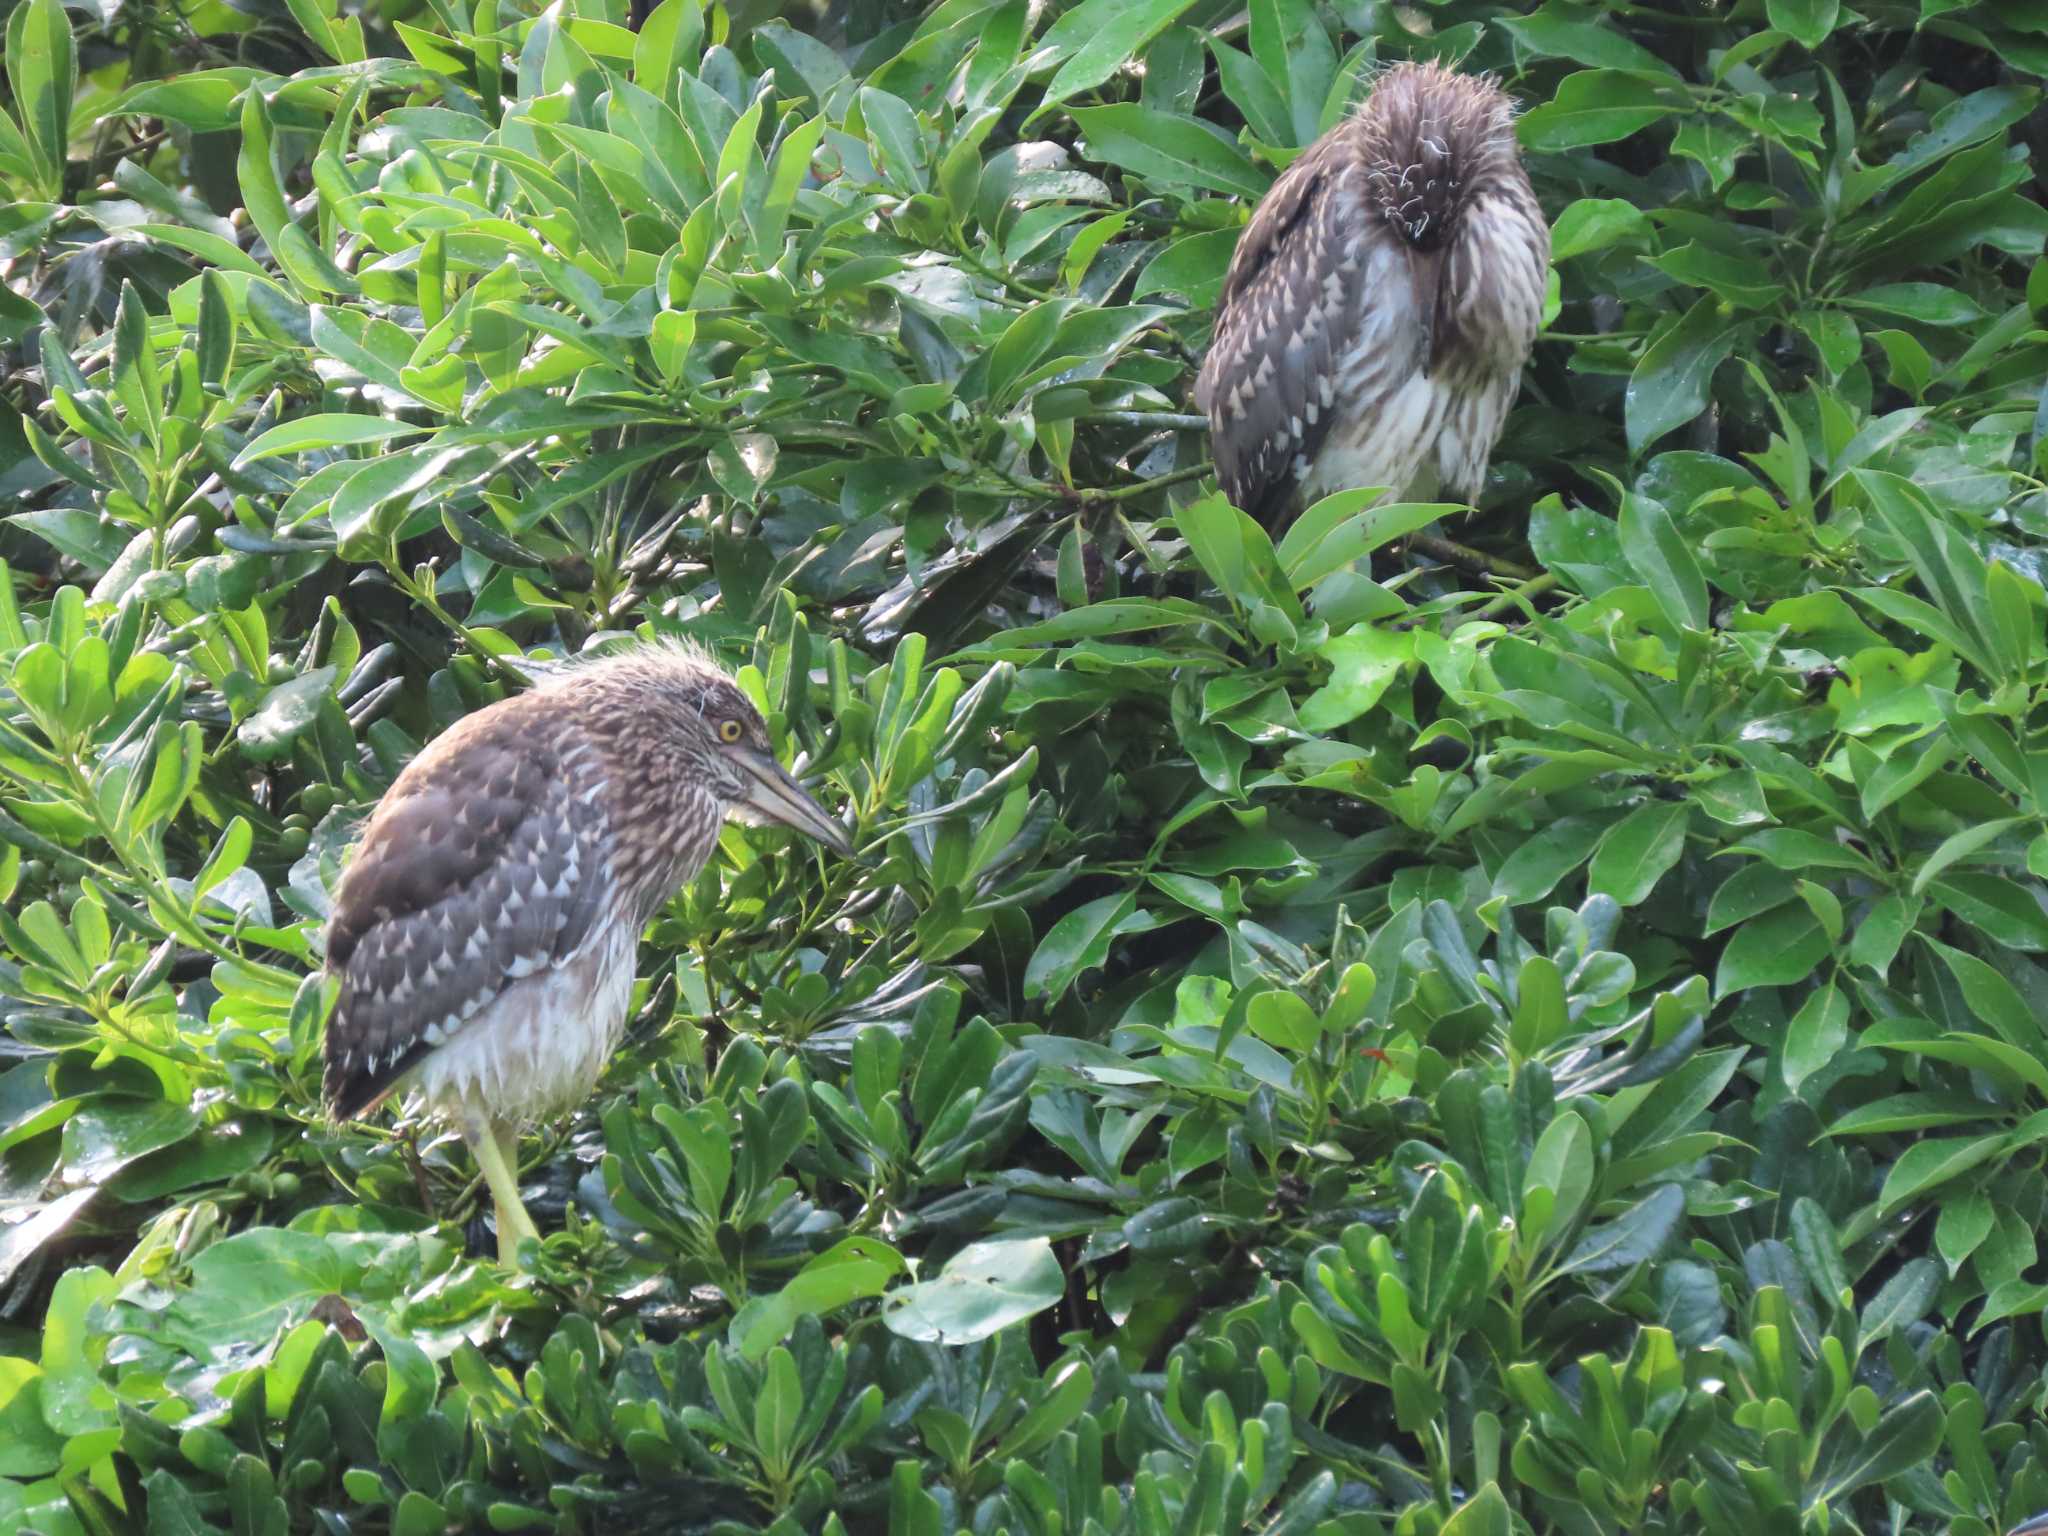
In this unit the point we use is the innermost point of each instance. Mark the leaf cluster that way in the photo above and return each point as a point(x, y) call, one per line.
point(1332, 1029)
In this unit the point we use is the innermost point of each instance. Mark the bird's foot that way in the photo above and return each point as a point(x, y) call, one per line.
point(409, 1149)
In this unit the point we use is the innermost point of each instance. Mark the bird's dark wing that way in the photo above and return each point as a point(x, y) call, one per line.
point(482, 865)
point(1290, 305)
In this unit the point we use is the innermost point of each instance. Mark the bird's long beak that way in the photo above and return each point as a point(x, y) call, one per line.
point(772, 793)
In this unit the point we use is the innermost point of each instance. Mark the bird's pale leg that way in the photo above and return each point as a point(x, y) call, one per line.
point(487, 1143)
point(523, 1224)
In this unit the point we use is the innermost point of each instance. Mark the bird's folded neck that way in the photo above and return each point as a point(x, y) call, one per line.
point(1432, 141)
point(1420, 189)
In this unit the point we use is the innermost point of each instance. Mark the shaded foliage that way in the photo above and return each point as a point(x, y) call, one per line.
point(1317, 1040)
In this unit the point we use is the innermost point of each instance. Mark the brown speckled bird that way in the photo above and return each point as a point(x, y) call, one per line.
point(1380, 305)
point(484, 936)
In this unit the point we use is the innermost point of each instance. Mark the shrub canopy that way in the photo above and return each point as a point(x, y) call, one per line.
point(1543, 1032)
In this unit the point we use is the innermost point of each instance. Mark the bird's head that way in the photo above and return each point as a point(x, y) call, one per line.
point(706, 734)
point(743, 771)
point(1437, 140)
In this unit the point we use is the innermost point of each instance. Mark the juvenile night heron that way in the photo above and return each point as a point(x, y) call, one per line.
point(484, 935)
point(1380, 305)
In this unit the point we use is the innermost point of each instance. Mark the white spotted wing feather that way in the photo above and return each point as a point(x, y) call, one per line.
point(479, 897)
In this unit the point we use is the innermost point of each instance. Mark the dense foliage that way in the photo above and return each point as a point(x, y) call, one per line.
point(1540, 1028)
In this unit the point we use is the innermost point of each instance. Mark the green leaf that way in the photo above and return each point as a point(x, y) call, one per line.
point(851, 1270)
point(1191, 268)
point(42, 68)
point(75, 1400)
point(1536, 866)
point(29, 1446)
point(204, 99)
point(287, 713)
point(1906, 1437)
point(1952, 573)
point(1078, 942)
point(1345, 527)
point(1993, 999)
point(224, 1152)
point(1638, 850)
point(1364, 662)
point(1295, 54)
point(1486, 1513)
point(1562, 1163)
point(1960, 845)
point(1595, 106)
point(1023, 343)
point(1908, 361)
point(1902, 1300)
point(1929, 303)
point(1352, 998)
point(1807, 22)
point(173, 1510)
point(1103, 36)
point(2006, 1064)
point(778, 1409)
point(1668, 386)
point(1735, 798)
point(308, 267)
point(1175, 151)
point(1116, 616)
point(1239, 557)
point(136, 377)
point(266, 1279)
point(1733, 279)
point(1773, 951)
point(1818, 1030)
point(310, 434)
point(1283, 1019)
point(1932, 1163)
point(1560, 31)
point(1597, 224)
point(1542, 1011)
point(1961, 1228)
point(1633, 1237)
point(982, 1289)
point(1653, 545)
point(1819, 1250)
point(897, 138)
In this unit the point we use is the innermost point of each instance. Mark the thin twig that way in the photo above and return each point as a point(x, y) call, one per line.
point(1454, 553)
point(1180, 421)
point(1518, 596)
point(1003, 279)
point(1156, 483)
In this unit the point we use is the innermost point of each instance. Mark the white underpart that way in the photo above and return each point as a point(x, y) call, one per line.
point(540, 1046)
point(1387, 444)
point(1418, 434)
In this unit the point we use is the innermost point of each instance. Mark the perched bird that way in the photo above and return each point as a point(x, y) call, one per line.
point(1380, 305)
point(484, 936)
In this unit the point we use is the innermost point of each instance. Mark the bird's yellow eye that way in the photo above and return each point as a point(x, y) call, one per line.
point(728, 731)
